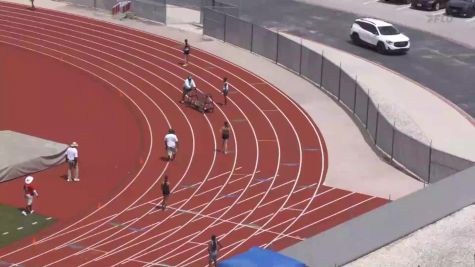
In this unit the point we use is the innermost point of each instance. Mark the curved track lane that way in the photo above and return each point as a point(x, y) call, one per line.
point(268, 192)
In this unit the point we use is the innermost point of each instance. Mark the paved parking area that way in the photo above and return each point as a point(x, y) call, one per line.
point(440, 64)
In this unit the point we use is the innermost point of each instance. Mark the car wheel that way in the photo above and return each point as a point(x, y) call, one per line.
point(436, 6)
point(381, 48)
point(355, 38)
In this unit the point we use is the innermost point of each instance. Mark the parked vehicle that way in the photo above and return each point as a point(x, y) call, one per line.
point(399, 1)
point(429, 4)
point(379, 34)
point(464, 8)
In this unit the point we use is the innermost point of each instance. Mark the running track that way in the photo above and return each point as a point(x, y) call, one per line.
point(268, 192)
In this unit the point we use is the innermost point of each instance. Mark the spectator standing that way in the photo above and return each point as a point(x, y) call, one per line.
point(72, 159)
point(30, 192)
point(165, 192)
point(186, 52)
point(213, 249)
point(225, 132)
point(225, 90)
point(171, 144)
point(188, 85)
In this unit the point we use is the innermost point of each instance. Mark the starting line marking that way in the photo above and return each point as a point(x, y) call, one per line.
point(311, 149)
point(266, 140)
point(239, 120)
point(290, 164)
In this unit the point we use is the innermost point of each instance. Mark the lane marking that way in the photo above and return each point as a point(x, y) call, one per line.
point(35, 222)
point(266, 140)
point(312, 149)
point(290, 164)
point(20, 228)
point(5, 233)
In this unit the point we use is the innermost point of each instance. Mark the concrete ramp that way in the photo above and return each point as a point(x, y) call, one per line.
point(22, 154)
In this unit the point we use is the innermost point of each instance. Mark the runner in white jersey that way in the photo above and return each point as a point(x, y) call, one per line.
point(171, 144)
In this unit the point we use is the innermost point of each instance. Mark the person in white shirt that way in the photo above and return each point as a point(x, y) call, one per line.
point(72, 159)
point(187, 87)
point(171, 144)
point(225, 90)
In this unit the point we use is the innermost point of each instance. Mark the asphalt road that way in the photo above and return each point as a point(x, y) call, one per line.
point(439, 64)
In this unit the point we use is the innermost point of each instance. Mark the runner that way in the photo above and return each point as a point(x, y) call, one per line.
point(171, 144)
point(225, 90)
point(165, 192)
point(188, 85)
point(213, 249)
point(30, 192)
point(32, 4)
point(186, 52)
point(225, 131)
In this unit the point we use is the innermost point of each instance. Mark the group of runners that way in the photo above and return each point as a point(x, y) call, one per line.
point(190, 84)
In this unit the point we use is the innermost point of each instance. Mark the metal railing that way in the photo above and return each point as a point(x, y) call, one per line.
point(418, 158)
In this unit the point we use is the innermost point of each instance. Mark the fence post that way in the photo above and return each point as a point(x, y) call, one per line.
point(430, 161)
point(277, 49)
point(354, 99)
point(377, 126)
point(392, 141)
point(321, 69)
point(252, 37)
point(367, 110)
point(339, 82)
point(300, 60)
point(225, 19)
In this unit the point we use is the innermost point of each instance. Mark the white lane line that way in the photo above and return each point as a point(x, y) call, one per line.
point(220, 186)
point(35, 222)
point(20, 228)
point(5, 233)
point(266, 140)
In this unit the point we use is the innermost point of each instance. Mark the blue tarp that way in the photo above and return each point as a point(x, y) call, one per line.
point(259, 257)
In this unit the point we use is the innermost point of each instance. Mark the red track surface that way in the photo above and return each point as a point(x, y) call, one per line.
point(115, 91)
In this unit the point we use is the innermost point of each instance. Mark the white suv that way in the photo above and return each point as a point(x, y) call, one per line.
point(377, 33)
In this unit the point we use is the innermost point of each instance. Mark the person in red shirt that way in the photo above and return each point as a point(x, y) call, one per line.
point(30, 192)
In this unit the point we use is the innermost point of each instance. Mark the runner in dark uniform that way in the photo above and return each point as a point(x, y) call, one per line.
point(186, 52)
point(213, 249)
point(225, 132)
point(165, 192)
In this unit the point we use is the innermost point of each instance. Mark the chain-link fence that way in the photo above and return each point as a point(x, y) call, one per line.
point(420, 159)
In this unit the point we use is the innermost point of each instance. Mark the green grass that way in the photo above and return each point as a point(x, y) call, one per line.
point(15, 226)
